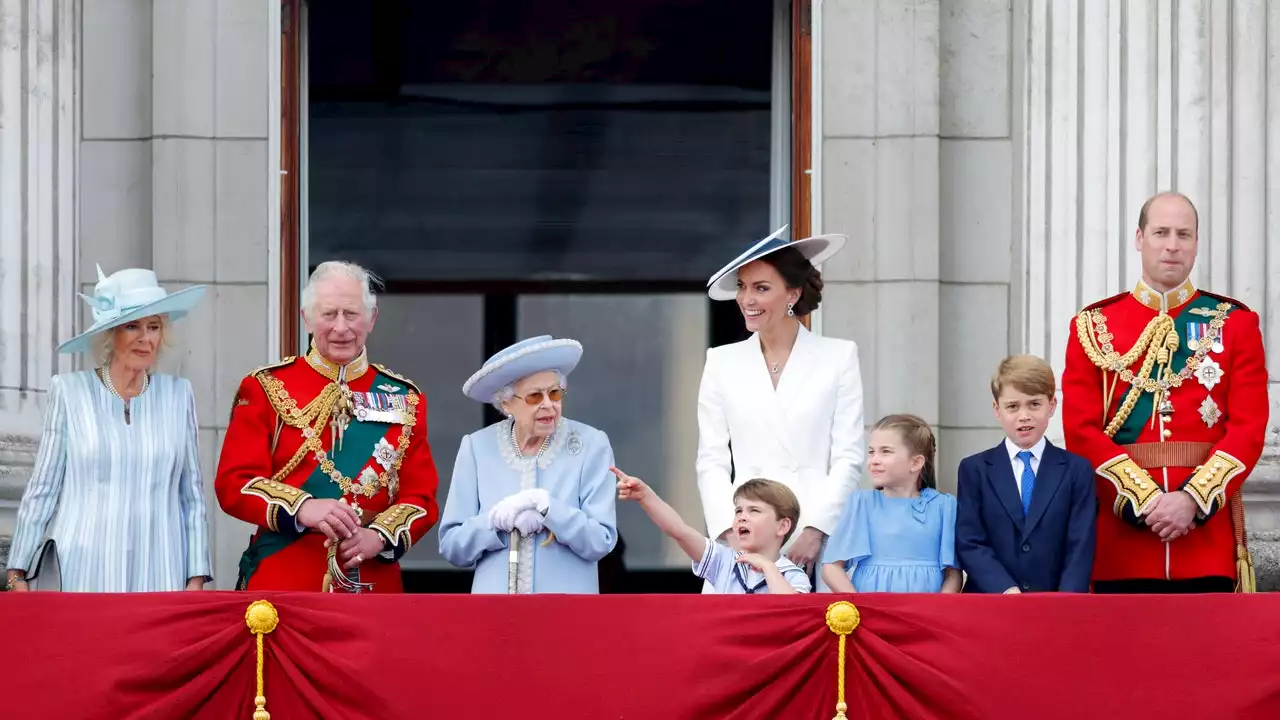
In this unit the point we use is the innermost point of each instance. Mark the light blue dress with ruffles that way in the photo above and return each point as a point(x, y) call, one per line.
point(891, 544)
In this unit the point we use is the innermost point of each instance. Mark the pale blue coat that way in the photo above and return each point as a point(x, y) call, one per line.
point(128, 498)
point(582, 510)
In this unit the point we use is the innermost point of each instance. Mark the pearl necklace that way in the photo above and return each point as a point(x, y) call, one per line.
point(515, 445)
point(105, 374)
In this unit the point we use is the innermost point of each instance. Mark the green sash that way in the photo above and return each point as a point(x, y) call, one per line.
point(1131, 430)
point(358, 443)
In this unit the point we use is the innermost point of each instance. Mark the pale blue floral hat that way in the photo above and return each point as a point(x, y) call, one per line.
point(520, 361)
point(126, 296)
point(724, 284)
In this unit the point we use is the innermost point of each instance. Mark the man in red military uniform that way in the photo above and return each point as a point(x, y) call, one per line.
point(1165, 393)
point(328, 455)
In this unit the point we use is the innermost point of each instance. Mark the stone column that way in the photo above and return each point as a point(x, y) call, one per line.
point(38, 158)
point(976, 223)
point(1118, 100)
point(879, 185)
point(208, 212)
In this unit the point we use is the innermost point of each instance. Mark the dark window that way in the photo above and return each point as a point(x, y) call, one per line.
point(625, 140)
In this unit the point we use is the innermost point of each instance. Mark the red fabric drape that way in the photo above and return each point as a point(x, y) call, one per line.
point(189, 655)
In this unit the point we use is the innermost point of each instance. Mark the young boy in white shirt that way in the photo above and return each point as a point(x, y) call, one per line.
point(765, 514)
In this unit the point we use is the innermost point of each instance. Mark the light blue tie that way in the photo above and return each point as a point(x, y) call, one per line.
point(1028, 480)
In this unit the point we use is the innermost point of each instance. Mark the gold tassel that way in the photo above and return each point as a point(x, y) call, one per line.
point(842, 619)
point(262, 618)
point(1246, 581)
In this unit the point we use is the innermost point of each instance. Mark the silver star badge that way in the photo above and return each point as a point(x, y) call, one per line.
point(385, 453)
point(1209, 373)
point(1209, 412)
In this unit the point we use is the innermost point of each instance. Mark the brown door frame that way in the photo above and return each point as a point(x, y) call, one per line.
point(290, 150)
point(290, 173)
point(801, 116)
point(801, 122)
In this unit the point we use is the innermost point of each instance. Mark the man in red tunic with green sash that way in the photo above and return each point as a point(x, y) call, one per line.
point(1165, 392)
point(328, 455)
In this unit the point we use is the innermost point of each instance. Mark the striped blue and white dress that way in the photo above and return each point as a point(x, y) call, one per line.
point(124, 502)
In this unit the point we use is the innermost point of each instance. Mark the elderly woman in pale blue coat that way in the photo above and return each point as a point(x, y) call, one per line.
point(116, 501)
point(536, 480)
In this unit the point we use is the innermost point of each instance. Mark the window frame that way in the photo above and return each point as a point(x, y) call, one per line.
point(791, 175)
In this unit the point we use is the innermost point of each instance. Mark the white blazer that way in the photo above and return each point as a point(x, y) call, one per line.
point(807, 433)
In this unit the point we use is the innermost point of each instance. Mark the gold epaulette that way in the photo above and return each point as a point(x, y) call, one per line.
point(1105, 301)
point(275, 365)
point(1226, 299)
point(383, 369)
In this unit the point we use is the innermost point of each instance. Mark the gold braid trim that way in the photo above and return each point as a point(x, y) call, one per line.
point(395, 521)
point(312, 418)
point(395, 376)
point(279, 496)
point(1159, 340)
point(1132, 483)
point(1209, 482)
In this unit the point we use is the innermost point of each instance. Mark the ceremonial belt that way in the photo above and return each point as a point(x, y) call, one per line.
point(1172, 453)
point(1185, 454)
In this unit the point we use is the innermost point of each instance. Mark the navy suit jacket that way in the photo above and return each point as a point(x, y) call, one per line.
point(1051, 548)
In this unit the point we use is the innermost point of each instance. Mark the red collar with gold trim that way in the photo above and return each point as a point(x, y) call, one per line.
point(354, 369)
point(1164, 302)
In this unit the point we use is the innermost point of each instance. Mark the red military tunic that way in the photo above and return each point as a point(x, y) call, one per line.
point(280, 449)
point(1194, 422)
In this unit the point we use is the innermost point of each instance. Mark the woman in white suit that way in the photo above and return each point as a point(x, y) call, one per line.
point(784, 404)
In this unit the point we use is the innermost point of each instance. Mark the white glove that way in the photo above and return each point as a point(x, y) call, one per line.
point(502, 516)
point(529, 522)
point(535, 499)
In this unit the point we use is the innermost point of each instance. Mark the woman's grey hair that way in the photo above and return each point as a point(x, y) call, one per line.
point(509, 391)
point(341, 269)
point(104, 346)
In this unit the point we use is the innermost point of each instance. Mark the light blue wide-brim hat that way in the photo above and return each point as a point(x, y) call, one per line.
point(126, 296)
point(724, 284)
point(520, 361)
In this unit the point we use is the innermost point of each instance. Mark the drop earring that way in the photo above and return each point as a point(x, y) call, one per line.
point(791, 310)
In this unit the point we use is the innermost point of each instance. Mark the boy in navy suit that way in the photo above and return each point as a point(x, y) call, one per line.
point(1027, 514)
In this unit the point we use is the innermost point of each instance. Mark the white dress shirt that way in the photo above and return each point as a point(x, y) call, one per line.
point(1037, 453)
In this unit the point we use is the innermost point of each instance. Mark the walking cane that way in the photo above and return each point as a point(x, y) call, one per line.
point(513, 564)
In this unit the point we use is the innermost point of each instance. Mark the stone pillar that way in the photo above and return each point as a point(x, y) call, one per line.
point(208, 212)
point(976, 224)
point(38, 157)
point(162, 163)
point(879, 157)
point(1118, 101)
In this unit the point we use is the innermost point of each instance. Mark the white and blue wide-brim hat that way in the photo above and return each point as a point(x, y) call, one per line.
point(724, 284)
point(126, 296)
point(520, 361)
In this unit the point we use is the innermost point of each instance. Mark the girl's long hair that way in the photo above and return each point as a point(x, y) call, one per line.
point(919, 440)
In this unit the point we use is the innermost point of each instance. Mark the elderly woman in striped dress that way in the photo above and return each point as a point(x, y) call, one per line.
point(118, 461)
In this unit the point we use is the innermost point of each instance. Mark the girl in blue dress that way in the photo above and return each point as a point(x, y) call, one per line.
point(899, 537)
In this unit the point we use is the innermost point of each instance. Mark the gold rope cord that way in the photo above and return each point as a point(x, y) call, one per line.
point(311, 421)
point(842, 619)
point(261, 618)
point(1159, 340)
